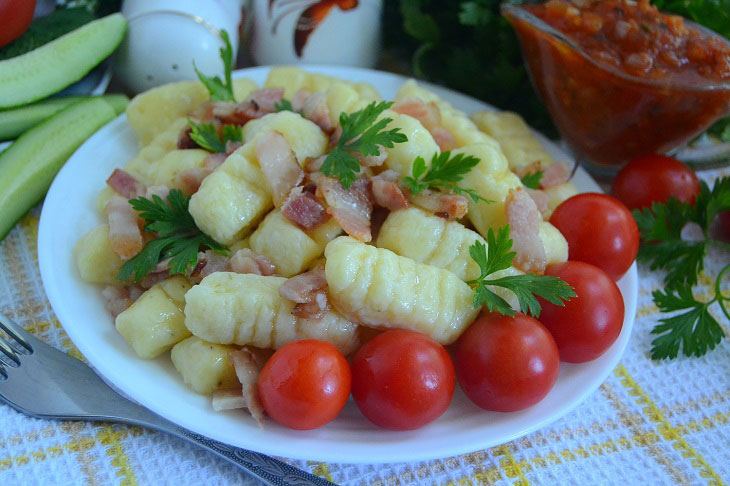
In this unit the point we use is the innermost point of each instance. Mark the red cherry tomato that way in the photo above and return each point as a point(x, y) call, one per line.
point(506, 363)
point(402, 380)
point(305, 384)
point(655, 178)
point(589, 323)
point(15, 17)
point(599, 230)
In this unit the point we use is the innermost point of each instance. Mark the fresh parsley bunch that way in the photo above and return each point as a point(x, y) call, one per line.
point(695, 330)
point(362, 133)
point(443, 173)
point(497, 256)
point(178, 237)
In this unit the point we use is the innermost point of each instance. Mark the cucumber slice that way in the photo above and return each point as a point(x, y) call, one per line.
point(15, 121)
point(50, 68)
point(29, 165)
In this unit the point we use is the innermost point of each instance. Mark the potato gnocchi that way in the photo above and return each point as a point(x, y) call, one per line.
point(289, 273)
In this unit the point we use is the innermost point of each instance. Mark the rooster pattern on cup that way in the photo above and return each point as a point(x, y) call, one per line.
point(312, 16)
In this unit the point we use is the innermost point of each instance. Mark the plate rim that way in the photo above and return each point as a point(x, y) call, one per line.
point(55, 297)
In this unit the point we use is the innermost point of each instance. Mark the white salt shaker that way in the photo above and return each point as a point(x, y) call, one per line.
point(343, 32)
point(166, 36)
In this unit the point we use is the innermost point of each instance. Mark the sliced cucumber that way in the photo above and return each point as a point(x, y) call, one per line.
point(50, 68)
point(15, 121)
point(29, 165)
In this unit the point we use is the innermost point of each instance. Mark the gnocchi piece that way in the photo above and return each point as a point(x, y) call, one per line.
point(292, 79)
point(305, 138)
point(518, 144)
point(556, 246)
point(144, 165)
point(287, 246)
point(232, 308)
point(420, 143)
point(426, 238)
point(96, 260)
point(233, 198)
point(176, 162)
point(155, 322)
point(205, 367)
point(151, 112)
point(558, 194)
point(377, 288)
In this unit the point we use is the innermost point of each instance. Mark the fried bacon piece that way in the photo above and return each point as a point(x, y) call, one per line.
point(247, 362)
point(279, 165)
point(449, 206)
point(430, 117)
point(524, 220)
point(351, 207)
point(303, 209)
point(309, 291)
point(386, 191)
point(125, 184)
point(124, 233)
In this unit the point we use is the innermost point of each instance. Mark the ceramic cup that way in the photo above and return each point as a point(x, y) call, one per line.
point(166, 36)
point(343, 32)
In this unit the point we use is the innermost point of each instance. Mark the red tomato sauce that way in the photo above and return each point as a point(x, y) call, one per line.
point(639, 81)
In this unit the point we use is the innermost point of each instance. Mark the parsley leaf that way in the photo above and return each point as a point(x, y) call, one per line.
point(206, 135)
point(362, 134)
point(444, 172)
point(695, 330)
point(179, 239)
point(283, 105)
point(219, 89)
point(496, 256)
point(532, 180)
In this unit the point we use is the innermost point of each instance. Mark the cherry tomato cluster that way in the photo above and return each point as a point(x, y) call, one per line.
point(403, 380)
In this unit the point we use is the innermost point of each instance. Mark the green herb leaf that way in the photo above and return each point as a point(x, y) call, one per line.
point(443, 173)
point(283, 105)
point(206, 135)
point(497, 256)
point(178, 237)
point(220, 90)
point(475, 13)
point(532, 180)
point(696, 331)
point(362, 134)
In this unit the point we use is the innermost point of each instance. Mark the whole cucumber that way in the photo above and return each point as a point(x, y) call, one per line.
point(29, 165)
point(15, 121)
point(50, 68)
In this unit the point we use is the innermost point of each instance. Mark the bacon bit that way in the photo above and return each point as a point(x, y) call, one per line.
point(443, 139)
point(541, 200)
point(117, 299)
point(299, 98)
point(213, 263)
point(125, 184)
point(246, 261)
point(184, 141)
point(248, 366)
point(335, 136)
point(351, 208)
point(304, 210)
point(315, 109)
point(228, 399)
point(265, 100)
point(314, 310)
point(524, 220)
point(279, 165)
point(258, 104)
point(450, 206)
point(314, 165)
point(373, 160)
point(231, 146)
point(189, 181)
point(124, 233)
point(387, 193)
point(303, 287)
point(213, 161)
point(554, 175)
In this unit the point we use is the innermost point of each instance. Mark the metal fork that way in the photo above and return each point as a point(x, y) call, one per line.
point(43, 382)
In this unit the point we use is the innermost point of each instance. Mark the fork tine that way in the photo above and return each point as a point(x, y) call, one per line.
point(17, 333)
point(3, 374)
point(9, 354)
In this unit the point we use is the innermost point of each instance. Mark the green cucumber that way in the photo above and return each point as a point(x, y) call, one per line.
point(29, 165)
point(50, 68)
point(15, 121)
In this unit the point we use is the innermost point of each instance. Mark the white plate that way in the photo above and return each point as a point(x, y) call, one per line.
point(70, 211)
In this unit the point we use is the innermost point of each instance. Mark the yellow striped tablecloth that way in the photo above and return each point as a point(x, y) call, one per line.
point(649, 423)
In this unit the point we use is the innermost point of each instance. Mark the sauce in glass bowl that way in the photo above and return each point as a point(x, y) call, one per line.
point(620, 78)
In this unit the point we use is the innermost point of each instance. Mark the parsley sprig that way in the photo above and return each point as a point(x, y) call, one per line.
point(283, 105)
point(361, 133)
point(207, 137)
point(443, 173)
point(178, 238)
point(220, 89)
point(694, 331)
point(532, 179)
point(496, 256)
